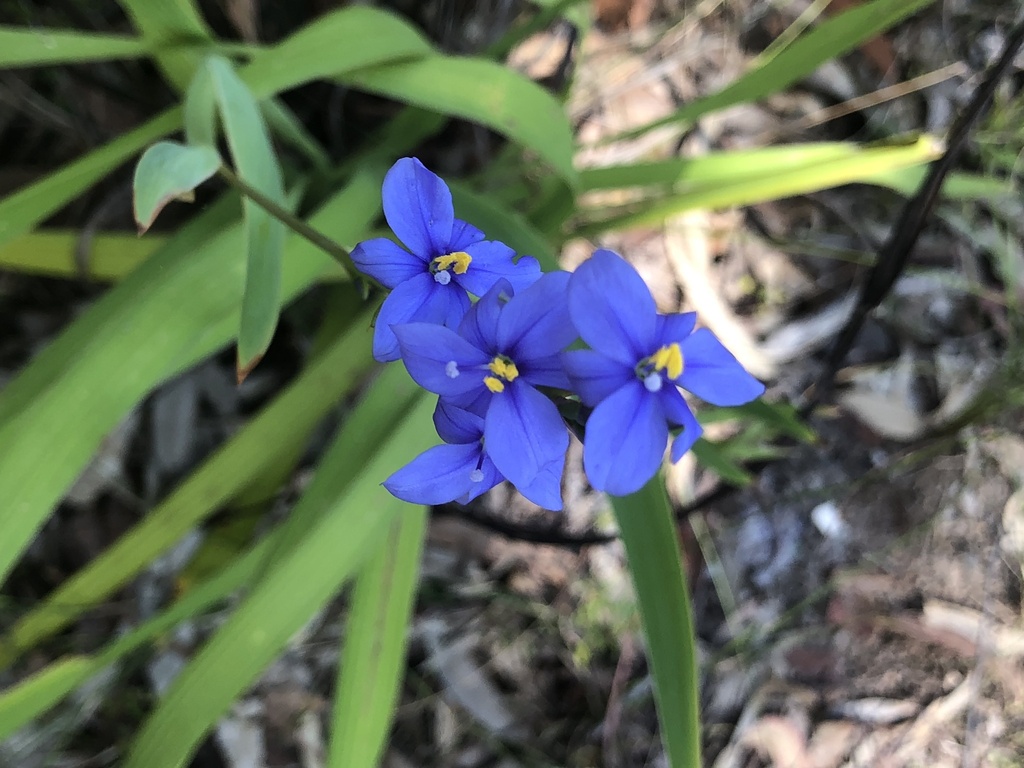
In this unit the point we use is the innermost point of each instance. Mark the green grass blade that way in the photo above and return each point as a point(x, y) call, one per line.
point(256, 164)
point(712, 456)
point(168, 171)
point(486, 93)
point(834, 37)
point(276, 432)
point(108, 257)
point(168, 21)
point(21, 47)
point(649, 535)
point(285, 600)
point(124, 345)
point(746, 189)
point(373, 659)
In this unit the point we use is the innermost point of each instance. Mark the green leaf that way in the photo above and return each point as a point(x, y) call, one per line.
point(649, 534)
point(373, 659)
point(834, 37)
point(256, 165)
point(168, 171)
point(165, 22)
point(108, 256)
point(486, 93)
point(286, 598)
point(21, 47)
point(276, 432)
point(745, 188)
point(714, 458)
point(126, 343)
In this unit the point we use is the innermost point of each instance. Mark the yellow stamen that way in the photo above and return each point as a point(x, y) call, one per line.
point(458, 262)
point(669, 359)
point(503, 368)
point(493, 384)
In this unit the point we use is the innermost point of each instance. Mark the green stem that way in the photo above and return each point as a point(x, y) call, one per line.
point(293, 222)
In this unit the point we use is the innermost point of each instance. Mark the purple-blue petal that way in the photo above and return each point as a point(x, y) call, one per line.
point(523, 433)
point(418, 208)
point(458, 305)
point(712, 373)
point(387, 263)
point(612, 308)
point(480, 325)
point(625, 441)
point(672, 329)
point(492, 261)
point(438, 475)
point(691, 433)
point(536, 322)
point(594, 376)
point(464, 235)
point(457, 425)
point(418, 299)
point(545, 490)
point(428, 350)
point(544, 372)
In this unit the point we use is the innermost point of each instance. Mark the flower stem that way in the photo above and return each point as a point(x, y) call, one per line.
point(293, 222)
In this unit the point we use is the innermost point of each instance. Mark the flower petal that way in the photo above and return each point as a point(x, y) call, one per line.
point(673, 329)
point(545, 372)
point(625, 441)
point(428, 350)
point(594, 376)
point(457, 425)
point(492, 261)
point(612, 308)
point(546, 488)
point(464, 234)
point(523, 433)
point(458, 306)
point(386, 262)
point(418, 299)
point(418, 207)
point(480, 326)
point(713, 374)
point(438, 475)
point(536, 322)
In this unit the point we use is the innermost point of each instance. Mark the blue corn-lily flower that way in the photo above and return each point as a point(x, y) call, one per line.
point(632, 374)
point(461, 470)
point(446, 257)
point(507, 345)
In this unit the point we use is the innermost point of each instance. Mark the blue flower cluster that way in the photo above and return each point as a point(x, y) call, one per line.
point(498, 362)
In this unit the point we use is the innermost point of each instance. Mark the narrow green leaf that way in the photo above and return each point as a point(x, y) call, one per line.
point(256, 164)
point(277, 431)
point(373, 659)
point(107, 256)
point(714, 458)
point(126, 343)
point(649, 535)
point(745, 189)
point(294, 589)
point(169, 171)
point(486, 93)
point(165, 22)
point(834, 37)
point(20, 47)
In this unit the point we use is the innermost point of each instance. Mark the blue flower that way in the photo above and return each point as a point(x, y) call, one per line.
point(507, 345)
point(446, 257)
point(632, 374)
point(461, 470)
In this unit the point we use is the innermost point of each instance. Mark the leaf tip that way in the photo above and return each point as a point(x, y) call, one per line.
point(242, 370)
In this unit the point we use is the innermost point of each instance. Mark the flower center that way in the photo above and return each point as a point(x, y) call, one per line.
point(668, 359)
point(504, 370)
point(457, 262)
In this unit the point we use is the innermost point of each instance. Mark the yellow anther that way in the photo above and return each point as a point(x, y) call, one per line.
point(503, 368)
point(458, 262)
point(669, 359)
point(493, 384)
